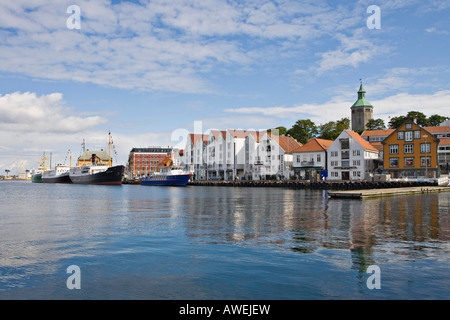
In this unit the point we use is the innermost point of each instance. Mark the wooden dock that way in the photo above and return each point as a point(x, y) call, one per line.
point(369, 193)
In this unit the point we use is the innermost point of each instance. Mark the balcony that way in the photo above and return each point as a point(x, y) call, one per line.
point(307, 163)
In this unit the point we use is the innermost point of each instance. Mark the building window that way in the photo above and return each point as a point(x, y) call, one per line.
point(425, 147)
point(356, 152)
point(393, 162)
point(346, 163)
point(345, 155)
point(409, 162)
point(425, 161)
point(408, 136)
point(356, 162)
point(408, 126)
point(345, 144)
point(298, 159)
point(400, 135)
point(318, 158)
point(393, 149)
point(409, 148)
point(417, 134)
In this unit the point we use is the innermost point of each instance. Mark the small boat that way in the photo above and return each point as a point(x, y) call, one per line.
point(60, 174)
point(168, 176)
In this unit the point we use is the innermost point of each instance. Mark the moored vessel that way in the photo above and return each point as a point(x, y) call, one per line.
point(168, 176)
point(36, 174)
point(59, 174)
point(95, 167)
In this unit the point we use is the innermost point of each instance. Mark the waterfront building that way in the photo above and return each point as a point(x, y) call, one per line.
point(194, 154)
point(311, 158)
point(411, 151)
point(350, 157)
point(235, 153)
point(273, 157)
point(362, 111)
point(252, 155)
point(89, 157)
point(143, 161)
point(216, 151)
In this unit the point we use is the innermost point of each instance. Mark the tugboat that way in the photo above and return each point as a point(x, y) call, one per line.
point(97, 169)
point(168, 176)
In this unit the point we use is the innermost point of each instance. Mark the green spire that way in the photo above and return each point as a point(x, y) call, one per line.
point(362, 102)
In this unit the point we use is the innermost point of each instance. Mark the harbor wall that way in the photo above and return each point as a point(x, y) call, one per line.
point(325, 185)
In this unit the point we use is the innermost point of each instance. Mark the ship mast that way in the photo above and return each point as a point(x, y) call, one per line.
point(109, 148)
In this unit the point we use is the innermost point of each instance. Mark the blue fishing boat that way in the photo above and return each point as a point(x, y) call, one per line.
point(168, 176)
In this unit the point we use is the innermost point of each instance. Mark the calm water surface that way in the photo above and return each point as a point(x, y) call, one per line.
point(141, 242)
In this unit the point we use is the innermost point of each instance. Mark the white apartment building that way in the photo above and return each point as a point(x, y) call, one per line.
point(273, 156)
point(215, 155)
point(350, 157)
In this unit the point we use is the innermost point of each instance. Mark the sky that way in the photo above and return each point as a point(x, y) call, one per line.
point(151, 71)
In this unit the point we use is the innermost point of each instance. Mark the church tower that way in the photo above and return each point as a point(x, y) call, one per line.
point(362, 111)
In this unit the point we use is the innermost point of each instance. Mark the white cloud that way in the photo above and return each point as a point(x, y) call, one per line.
point(26, 112)
point(159, 44)
point(339, 107)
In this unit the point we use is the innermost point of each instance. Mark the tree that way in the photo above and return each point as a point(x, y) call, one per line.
point(396, 122)
point(436, 120)
point(331, 130)
point(375, 124)
point(418, 117)
point(303, 130)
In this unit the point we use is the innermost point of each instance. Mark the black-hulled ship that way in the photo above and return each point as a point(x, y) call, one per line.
point(95, 167)
point(59, 174)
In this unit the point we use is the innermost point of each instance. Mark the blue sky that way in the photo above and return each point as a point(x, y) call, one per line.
point(148, 70)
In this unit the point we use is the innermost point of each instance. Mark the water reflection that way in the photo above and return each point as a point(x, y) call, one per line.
point(307, 221)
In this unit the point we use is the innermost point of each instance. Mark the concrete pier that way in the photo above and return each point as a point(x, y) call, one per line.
point(386, 192)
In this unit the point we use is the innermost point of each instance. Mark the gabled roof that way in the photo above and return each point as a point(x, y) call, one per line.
point(315, 145)
point(287, 143)
point(366, 145)
point(217, 133)
point(242, 134)
point(197, 137)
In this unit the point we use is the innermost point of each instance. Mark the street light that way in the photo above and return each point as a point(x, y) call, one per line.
point(426, 160)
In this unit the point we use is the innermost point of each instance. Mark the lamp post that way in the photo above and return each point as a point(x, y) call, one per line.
point(426, 160)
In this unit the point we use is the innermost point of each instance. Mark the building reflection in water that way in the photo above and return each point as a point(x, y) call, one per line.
point(306, 220)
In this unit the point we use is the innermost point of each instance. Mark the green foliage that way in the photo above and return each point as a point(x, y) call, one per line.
point(331, 130)
point(303, 130)
point(375, 124)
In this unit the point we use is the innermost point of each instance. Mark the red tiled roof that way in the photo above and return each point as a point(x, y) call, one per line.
point(197, 137)
point(240, 133)
point(370, 133)
point(216, 134)
point(315, 144)
point(444, 141)
point(366, 145)
point(437, 129)
point(286, 143)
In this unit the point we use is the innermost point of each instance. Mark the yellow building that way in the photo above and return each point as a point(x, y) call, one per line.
point(410, 151)
point(99, 157)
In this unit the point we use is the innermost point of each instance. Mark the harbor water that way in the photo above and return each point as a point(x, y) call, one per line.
point(208, 243)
